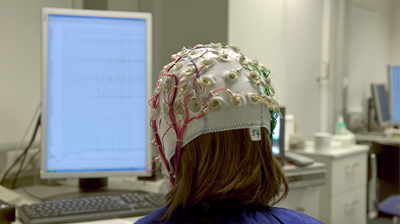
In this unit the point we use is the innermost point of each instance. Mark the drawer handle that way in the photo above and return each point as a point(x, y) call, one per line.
point(350, 205)
point(352, 166)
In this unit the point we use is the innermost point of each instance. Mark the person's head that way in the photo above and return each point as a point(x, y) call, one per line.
point(213, 116)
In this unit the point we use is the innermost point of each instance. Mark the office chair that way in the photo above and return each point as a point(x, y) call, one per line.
point(391, 206)
point(384, 195)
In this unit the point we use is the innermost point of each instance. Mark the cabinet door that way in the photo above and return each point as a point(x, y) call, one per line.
point(350, 207)
point(348, 173)
point(305, 200)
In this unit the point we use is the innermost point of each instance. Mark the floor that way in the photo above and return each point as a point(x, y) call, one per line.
point(380, 220)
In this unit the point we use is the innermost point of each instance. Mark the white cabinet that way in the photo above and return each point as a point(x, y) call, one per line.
point(305, 200)
point(343, 198)
point(304, 188)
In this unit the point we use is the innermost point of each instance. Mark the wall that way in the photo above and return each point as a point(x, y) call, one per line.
point(394, 41)
point(388, 32)
point(20, 63)
point(114, 5)
point(176, 23)
point(286, 36)
point(303, 47)
point(257, 27)
point(373, 44)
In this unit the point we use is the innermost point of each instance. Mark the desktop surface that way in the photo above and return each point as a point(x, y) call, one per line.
point(127, 220)
point(376, 137)
point(137, 203)
point(43, 192)
point(333, 152)
point(301, 178)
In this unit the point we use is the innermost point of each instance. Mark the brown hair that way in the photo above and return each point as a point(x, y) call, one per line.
point(227, 165)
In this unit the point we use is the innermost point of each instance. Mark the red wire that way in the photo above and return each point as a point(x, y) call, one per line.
point(215, 92)
point(151, 163)
point(153, 101)
point(162, 139)
point(178, 128)
point(162, 153)
point(201, 55)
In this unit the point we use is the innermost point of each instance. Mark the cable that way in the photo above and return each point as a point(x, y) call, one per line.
point(26, 132)
point(22, 154)
point(30, 160)
point(29, 127)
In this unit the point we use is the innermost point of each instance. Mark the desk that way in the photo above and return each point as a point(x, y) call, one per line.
point(303, 195)
point(386, 150)
point(71, 185)
point(368, 138)
point(106, 221)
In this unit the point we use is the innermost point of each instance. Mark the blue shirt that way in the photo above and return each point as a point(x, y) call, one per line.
point(228, 213)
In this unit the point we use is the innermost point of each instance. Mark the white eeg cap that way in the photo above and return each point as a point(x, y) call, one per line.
point(209, 88)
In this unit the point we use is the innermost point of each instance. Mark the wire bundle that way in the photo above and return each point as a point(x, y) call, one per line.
point(21, 158)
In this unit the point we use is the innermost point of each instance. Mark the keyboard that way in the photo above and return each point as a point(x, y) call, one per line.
point(91, 208)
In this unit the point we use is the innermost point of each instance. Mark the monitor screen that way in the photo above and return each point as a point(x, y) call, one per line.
point(96, 81)
point(278, 136)
point(394, 89)
point(381, 103)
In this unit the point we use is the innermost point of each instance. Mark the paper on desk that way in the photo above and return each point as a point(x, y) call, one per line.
point(108, 221)
point(9, 196)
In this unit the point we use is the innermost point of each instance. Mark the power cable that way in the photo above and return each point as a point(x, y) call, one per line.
point(25, 153)
point(22, 156)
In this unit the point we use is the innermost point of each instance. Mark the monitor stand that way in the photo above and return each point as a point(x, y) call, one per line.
point(89, 187)
point(93, 184)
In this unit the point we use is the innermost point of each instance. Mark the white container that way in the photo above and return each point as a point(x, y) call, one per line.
point(322, 141)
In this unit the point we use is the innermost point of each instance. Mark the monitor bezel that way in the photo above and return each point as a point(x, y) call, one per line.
point(44, 174)
point(377, 104)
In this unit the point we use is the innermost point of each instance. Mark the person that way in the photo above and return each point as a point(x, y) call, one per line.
point(213, 115)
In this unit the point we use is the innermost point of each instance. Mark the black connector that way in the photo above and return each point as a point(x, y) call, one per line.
point(7, 213)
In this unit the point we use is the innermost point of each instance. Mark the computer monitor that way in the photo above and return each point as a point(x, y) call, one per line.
point(278, 137)
point(381, 104)
point(394, 93)
point(96, 82)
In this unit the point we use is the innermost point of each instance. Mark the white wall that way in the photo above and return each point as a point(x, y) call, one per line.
point(286, 36)
point(177, 23)
point(363, 53)
point(20, 29)
point(376, 24)
point(123, 5)
point(394, 30)
point(257, 28)
point(282, 34)
point(303, 47)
